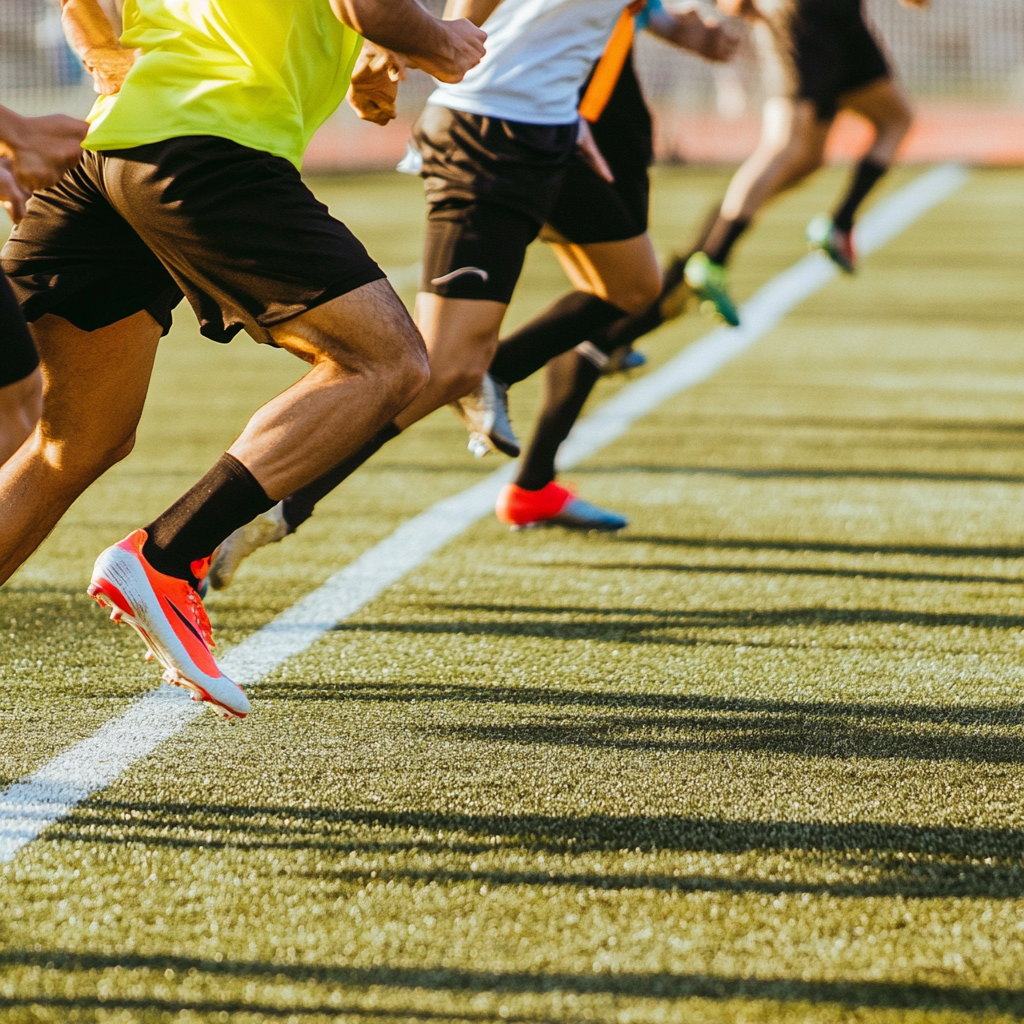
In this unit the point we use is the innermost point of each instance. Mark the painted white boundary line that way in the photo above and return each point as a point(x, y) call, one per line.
point(37, 801)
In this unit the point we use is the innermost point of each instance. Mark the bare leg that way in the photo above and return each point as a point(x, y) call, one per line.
point(94, 388)
point(461, 336)
point(368, 362)
point(20, 406)
point(792, 146)
point(887, 109)
point(625, 273)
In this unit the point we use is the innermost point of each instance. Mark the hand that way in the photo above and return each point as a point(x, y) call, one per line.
point(465, 50)
point(42, 149)
point(374, 87)
point(109, 66)
point(12, 196)
point(739, 8)
point(587, 151)
point(711, 39)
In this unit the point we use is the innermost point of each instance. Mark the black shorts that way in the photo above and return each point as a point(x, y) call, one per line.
point(820, 50)
point(492, 185)
point(233, 229)
point(18, 356)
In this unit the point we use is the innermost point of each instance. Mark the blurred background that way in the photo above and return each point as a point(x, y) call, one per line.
point(961, 60)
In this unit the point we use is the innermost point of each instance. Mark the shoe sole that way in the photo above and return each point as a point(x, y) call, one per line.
point(108, 595)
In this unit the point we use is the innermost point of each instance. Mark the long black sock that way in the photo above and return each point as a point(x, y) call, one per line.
point(567, 384)
point(723, 235)
point(865, 177)
point(564, 324)
point(228, 497)
point(299, 507)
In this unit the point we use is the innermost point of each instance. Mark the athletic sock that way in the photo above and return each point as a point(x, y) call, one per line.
point(864, 180)
point(723, 235)
point(299, 506)
point(568, 382)
point(228, 497)
point(564, 324)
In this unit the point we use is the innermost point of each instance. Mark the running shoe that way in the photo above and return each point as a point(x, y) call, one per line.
point(553, 505)
point(169, 616)
point(835, 243)
point(485, 413)
point(624, 359)
point(268, 528)
point(709, 282)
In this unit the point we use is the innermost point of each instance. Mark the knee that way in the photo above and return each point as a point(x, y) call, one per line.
point(637, 295)
point(83, 459)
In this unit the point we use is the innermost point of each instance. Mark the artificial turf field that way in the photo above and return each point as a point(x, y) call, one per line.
point(758, 758)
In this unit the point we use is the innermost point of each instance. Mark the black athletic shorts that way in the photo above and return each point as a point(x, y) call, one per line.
point(233, 229)
point(818, 50)
point(17, 353)
point(492, 185)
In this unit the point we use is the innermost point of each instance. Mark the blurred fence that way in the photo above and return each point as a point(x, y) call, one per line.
point(961, 60)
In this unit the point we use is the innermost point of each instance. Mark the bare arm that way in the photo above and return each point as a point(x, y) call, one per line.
point(444, 49)
point(711, 39)
point(40, 149)
point(91, 35)
point(476, 11)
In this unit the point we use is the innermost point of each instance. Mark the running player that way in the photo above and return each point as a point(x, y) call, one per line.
point(34, 153)
point(499, 159)
point(818, 56)
point(191, 187)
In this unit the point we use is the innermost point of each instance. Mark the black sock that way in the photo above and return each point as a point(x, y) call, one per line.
point(228, 497)
point(564, 324)
point(723, 235)
point(299, 507)
point(567, 384)
point(864, 180)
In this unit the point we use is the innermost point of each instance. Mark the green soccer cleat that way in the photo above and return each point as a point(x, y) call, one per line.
point(835, 243)
point(709, 282)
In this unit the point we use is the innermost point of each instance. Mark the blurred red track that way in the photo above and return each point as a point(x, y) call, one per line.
point(973, 134)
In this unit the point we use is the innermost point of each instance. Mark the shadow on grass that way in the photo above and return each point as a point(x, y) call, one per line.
point(852, 994)
point(825, 572)
point(808, 473)
point(877, 859)
point(828, 547)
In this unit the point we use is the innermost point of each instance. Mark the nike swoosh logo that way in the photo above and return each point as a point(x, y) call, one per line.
point(461, 272)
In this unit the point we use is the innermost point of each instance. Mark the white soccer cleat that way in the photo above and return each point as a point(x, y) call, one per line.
point(268, 528)
point(485, 413)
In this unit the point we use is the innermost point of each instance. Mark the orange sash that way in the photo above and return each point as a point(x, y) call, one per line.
point(610, 66)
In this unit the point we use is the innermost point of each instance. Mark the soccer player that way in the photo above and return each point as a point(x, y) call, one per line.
point(499, 155)
point(34, 153)
point(818, 56)
point(190, 187)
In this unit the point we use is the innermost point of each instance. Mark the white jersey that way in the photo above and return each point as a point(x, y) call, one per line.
point(539, 53)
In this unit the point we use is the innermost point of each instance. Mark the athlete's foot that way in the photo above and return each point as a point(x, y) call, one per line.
point(553, 505)
point(624, 359)
point(169, 616)
point(485, 413)
point(268, 528)
point(709, 282)
point(835, 243)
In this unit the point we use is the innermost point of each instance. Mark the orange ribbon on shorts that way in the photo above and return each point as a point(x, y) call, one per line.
point(610, 66)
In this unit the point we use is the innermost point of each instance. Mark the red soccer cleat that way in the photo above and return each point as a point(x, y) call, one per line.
point(553, 505)
point(169, 616)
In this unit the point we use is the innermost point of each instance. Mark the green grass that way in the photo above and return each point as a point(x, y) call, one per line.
point(760, 758)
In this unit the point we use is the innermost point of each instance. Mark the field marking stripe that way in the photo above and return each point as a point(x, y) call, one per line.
point(39, 800)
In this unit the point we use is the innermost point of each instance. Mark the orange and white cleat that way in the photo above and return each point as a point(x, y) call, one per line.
point(169, 616)
point(553, 505)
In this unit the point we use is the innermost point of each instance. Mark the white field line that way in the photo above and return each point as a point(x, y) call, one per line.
point(44, 797)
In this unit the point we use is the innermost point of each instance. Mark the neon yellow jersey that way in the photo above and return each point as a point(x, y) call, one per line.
point(262, 73)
